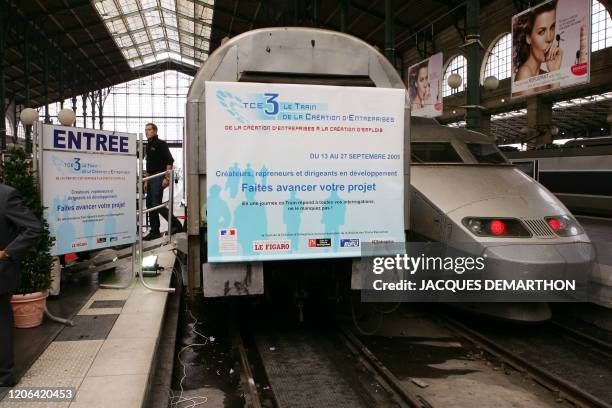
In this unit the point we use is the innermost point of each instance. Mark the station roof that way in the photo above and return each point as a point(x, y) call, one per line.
point(93, 44)
point(76, 46)
point(152, 31)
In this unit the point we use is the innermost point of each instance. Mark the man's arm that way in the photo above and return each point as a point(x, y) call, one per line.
point(168, 161)
point(30, 229)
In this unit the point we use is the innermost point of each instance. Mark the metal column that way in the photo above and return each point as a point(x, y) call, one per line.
point(343, 15)
point(472, 45)
point(46, 83)
point(85, 96)
point(93, 109)
point(3, 34)
point(26, 47)
point(389, 41)
point(539, 120)
point(100, 109)
point(61, 80)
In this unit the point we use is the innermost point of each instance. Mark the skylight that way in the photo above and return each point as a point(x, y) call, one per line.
point(153, 31)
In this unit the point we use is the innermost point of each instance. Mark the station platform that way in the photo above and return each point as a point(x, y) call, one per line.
point(109, 356)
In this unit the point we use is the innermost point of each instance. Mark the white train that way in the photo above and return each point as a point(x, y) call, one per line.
point(465, 191)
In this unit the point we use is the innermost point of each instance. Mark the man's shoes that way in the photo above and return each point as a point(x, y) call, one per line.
point(151, 236)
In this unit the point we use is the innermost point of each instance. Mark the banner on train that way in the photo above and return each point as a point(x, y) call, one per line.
point(299, 171)
point(551, 47)
point(88, 187)
point(425, 87)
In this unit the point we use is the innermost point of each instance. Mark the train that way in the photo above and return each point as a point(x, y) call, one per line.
point(578, 173)
point(464, 190)
point(458, 185)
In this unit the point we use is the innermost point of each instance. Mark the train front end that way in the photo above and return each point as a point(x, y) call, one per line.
point(468, 196)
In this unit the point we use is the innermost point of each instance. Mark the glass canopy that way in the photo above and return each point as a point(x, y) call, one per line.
point(153, 31)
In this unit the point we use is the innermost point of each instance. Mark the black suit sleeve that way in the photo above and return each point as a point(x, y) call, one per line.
point(28, 225)
point(166, 155)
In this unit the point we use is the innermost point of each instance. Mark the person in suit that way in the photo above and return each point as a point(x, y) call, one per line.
point(20, 232)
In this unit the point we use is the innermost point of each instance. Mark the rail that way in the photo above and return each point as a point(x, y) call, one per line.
point(553, 382)
point(137, 247)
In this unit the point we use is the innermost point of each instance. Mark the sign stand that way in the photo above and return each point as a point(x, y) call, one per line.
point(137, 246)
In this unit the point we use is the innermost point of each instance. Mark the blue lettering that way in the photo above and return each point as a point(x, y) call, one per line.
point(112, 143)
point(74, 140)
point(271, 101)
point(123, 144)
point(89, 136)
point(58, 137)
point(101, 142)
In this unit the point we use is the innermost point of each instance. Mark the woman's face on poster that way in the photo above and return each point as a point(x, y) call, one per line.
point(542, 35)
point(422, 82)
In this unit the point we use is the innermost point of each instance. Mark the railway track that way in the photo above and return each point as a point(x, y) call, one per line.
point(320, 382)
point(600, 346)
point(564, 389)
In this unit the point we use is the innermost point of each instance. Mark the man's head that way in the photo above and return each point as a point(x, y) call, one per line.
point(150, 130)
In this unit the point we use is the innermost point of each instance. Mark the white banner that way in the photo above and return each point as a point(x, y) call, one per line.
point(298, 171)
point(425, 87)
point(551, 47)
point(88, 188)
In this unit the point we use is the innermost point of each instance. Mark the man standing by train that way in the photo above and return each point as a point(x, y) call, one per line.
point(159, 159)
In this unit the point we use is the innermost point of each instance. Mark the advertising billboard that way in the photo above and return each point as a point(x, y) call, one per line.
point(88, 187)
point(551, 46)
point(425, 87)
point(299, 171)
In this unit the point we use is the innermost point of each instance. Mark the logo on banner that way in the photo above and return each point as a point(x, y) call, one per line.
point(79, 244)
point(382, 241)
point(228, 240)
point(349, 243)
point(100, 240)
point(271, 246)
point(319, 242)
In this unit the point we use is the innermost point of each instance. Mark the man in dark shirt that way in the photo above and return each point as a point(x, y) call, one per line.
point(158, 159)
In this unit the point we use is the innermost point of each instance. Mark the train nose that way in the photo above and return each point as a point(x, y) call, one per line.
point(569, 262)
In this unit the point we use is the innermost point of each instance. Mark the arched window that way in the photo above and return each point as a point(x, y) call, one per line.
point(500, 56)
point(601, 27)
point(457, 65)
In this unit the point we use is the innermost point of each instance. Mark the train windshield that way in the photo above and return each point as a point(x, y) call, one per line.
point(486, 153)
point(434, 152)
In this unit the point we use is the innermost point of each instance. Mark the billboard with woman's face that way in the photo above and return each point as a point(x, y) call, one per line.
point(551, 47)
point(425, 87)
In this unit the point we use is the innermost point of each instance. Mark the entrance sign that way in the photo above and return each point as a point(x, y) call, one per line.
point(297, 171)
point(88, 187)
point(425, 87)
point(551, 46)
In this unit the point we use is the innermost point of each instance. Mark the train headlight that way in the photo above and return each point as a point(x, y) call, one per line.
point(564, 225)
point(475, 226)
point(496, 227)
